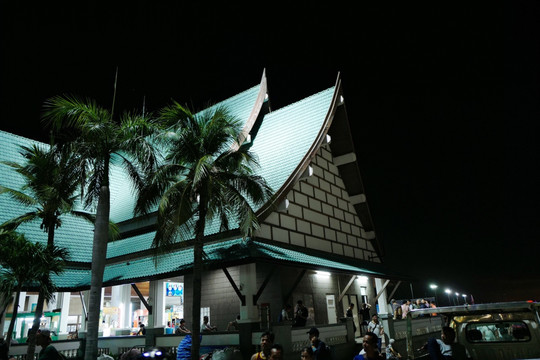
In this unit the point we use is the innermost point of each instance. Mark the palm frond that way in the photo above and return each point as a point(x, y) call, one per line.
point(18, 196)
point(71, 111)
point(13, 224)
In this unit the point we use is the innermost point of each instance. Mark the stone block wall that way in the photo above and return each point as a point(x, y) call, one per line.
point(320, 215)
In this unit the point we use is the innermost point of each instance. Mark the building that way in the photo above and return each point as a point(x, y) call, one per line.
point(317, 242)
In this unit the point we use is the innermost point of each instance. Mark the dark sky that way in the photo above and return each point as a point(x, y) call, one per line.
point(442, 101)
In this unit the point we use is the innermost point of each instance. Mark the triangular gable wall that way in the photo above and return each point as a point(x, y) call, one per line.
point(320, 215)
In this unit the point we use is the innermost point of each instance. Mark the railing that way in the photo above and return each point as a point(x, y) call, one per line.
point(294, 339)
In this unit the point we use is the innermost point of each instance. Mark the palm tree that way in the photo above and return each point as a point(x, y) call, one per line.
point(52, 178)
point(205, 178)
point(99, 140)
point(16, 274)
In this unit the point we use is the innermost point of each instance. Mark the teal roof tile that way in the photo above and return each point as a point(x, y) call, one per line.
point(122, 194)
point(287, 134)
point(283, 140)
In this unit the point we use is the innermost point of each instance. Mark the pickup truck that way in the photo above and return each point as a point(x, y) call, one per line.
point(492, 331)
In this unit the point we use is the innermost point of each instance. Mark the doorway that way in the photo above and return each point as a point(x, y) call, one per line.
point(347, 300)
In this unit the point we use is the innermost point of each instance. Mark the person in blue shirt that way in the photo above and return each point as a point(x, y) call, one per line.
point(369, 348)
point(320, 350)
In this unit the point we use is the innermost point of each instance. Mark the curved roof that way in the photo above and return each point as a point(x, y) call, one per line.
point(285, 142)
point(243, 106)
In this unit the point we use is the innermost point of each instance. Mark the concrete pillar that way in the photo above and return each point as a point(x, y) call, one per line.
point(248, 287)
point(18, 324)
point(383, 309)
point(383, 301)
point(282, 333)
point(86, 303)
point(157, 301)
point(62, 301)
point(121, 298)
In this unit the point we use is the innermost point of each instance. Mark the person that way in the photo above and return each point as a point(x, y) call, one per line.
point(284, 314)
point(300, 314)
point(183, 352)
point(306, 354)
point(182, 329)
point(433, 305)
point(369, 348)
point(206, 327)
point(405, 308)
point(320, 350)
point(276, 352)
point(47, 352)
point(267, 340)
point(350, 314)
point(391, 352)
point(4, 350)
point(375, 327)
point(233, 325)
point(445, 347)
point(142, 330)
point(365, 316)
point(395, 306)
point(131, 354)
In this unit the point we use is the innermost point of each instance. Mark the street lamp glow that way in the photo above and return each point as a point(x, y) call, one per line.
point(448, 291)
point(457, 294)
point(433, 286)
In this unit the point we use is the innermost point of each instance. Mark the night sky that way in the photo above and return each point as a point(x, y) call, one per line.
point(442, 102)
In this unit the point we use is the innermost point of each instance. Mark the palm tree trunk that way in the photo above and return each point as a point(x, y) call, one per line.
point(31, 341)
point(99, 257)
point(197, 280)
point(30, 352)
point(9, 334)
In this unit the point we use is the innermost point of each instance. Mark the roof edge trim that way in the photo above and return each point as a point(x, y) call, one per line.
point(280, 194)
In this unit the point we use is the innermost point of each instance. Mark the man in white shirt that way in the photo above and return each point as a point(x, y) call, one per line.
point(206, 327)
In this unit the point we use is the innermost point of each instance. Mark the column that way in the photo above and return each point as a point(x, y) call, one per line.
point(248, 288)
point(157, 301)
point(383, 309)
point(18, 324)
point(383, 302)
point(85, 303)
point(121, 298)
point(249, 314)
point(62, 301)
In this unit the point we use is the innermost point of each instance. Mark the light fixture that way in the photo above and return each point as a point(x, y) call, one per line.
point(433, 286)
point(283, 206)
point(448, 291)
point(307, 173)
point(322, 273)
point(457, 294)
point(362, 279)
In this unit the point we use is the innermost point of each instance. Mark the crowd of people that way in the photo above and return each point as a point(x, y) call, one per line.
point(371, 330)
point(400, 309)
